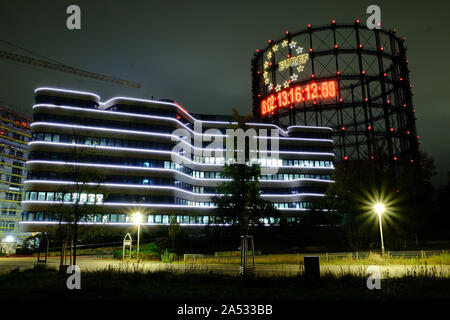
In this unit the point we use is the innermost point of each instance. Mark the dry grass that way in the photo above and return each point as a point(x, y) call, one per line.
point(371, 259)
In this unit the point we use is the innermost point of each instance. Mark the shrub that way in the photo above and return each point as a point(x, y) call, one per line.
point(152, 248)
point(168, 257)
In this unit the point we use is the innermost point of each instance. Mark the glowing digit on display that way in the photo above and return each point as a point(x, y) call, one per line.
point(325, 89)
point(314, 93)
point(284, 96)
point(332, 89)
point(298, 94)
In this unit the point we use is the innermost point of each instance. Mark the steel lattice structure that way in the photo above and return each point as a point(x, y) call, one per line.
point(372, 112)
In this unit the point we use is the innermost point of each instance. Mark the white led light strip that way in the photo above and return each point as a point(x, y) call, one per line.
point(164, 151)
point(166, 134)
point(146, 205)
point(170, 104)
point(206, 195)
point(154, 169)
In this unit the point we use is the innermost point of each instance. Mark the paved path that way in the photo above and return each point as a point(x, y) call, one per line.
point(93, 263)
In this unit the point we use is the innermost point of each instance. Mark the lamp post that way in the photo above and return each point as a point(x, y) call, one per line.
point(137, 219)
point(379, 209)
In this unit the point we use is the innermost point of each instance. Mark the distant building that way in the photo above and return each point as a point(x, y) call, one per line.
point(15, 132)
point(131, 143)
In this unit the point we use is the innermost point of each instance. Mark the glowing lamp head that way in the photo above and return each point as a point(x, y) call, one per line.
point(137, 218)
point(9, 239)
point(379, 208)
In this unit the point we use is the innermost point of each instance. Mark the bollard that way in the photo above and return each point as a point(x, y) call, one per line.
point(312, 267)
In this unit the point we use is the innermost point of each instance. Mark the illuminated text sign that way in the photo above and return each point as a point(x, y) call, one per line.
point(297, 94)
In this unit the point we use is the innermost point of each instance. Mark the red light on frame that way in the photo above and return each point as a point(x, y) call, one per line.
point(345, 158)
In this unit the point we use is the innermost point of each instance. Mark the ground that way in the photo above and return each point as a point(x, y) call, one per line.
point(89, 263)
point(107, 279)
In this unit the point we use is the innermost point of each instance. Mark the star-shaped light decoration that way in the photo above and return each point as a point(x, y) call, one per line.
point(266, 80)
point(275, 48)
point(269, 55)
point(286, 84)
point(265, 74)
point(292, 45)
point(277, 88)
point(266, 64)
point(300, 68)
point(294, 77)
point(270, 87)
point(299, 50)
point(284, 43)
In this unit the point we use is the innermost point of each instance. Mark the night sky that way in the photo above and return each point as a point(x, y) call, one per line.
point(198, 52)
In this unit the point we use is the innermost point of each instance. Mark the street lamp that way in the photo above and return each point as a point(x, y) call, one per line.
point(9, 239)
point(137, 219)
point(379, 209)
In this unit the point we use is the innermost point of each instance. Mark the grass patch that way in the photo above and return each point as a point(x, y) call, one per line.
point(134, 282)
point(371, 259)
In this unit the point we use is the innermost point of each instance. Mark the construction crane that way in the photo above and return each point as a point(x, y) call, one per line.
point(65, 68)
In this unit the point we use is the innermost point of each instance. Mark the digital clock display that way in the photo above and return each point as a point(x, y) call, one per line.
point(297, 94)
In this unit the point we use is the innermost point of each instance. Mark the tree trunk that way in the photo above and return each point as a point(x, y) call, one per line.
point(75, 240)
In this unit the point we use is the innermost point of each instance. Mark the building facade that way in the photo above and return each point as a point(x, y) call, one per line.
point(15, 132)
point(130, 143)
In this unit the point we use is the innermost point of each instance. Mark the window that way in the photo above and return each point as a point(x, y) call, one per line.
point(83, 198)
point(91, 198)
point(66, 197)
point(99, 198)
